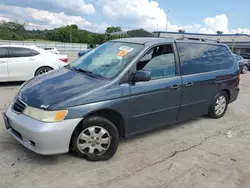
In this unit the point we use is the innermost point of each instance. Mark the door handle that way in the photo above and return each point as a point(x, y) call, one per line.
point(2, 61)
point(188, 84)
point(175, 86)
point(31, 59)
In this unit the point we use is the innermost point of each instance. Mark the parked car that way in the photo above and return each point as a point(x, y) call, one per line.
point(246, 56)
point(243, 64)
point(120, 89)
point(52, 49)
point(20, 63)
point(81, 53)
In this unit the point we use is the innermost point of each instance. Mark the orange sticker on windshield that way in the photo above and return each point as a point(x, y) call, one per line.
point(122, 53)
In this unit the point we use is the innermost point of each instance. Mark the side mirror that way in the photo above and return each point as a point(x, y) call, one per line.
point(142, 76)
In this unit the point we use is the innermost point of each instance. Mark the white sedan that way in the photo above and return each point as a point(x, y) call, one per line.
point(20, 63)
point(52, 49)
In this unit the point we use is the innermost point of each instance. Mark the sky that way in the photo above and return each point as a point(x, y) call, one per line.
point(95, 15)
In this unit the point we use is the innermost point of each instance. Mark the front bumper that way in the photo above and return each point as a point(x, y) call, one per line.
point(40, 137)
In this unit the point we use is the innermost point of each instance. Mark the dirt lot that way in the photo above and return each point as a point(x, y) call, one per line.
point(194, 154)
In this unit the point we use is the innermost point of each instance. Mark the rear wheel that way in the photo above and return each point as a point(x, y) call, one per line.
point(244, 69)
point(43, 70)
point(219, 106)
point(95, 138)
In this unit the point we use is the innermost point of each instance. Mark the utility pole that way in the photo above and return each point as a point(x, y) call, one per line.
point(167, 20)
point(233, 40)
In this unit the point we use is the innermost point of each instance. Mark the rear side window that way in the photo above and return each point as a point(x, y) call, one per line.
point(34, 52)
point(3, 52)
point(22, 52)
point(199, 58)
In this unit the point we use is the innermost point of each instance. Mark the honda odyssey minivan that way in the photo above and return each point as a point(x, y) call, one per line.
point(119, 89)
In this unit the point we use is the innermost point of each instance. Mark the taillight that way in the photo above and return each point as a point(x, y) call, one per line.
point(65, 60)
point(239, 76)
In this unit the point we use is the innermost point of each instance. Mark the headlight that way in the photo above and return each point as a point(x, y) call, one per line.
point(45, 116)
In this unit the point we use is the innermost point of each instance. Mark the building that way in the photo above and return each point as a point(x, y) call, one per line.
point(239, 43)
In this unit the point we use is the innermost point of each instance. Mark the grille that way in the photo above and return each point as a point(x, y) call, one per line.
point(19, 106)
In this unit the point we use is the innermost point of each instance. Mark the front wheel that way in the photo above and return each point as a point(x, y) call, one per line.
point(95, 138)
point(219, 106)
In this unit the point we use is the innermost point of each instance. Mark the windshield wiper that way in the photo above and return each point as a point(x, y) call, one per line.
point(88, 73)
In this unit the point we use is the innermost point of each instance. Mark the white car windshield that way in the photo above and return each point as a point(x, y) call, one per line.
point(108, 59)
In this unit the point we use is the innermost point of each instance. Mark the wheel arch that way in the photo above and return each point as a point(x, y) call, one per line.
point(43, 67)
point(112, 115)
point(227, 91)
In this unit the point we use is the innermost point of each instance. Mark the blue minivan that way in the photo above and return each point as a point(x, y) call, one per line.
point(122, 88)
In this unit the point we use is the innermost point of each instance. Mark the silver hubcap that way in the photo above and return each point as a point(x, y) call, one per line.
point(94, 140)
point(44, 71)
point(244, 69)
point(220, 105)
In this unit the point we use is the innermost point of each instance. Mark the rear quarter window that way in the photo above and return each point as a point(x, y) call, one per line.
point(199, 58)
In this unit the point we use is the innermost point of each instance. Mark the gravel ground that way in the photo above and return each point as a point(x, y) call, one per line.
point(201, 153)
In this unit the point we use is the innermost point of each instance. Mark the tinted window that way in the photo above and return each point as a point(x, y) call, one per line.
point(3, 52)
point(22, 52)
point(160, 61)
point(34, 52)
point(198, 58)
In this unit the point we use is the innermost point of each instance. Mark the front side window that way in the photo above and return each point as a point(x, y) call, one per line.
point(108, 59)
point(3, 52)
point(160, 61)
point(22, 52)
point(199, 58)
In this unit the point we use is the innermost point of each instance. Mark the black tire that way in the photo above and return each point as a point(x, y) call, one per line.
point(43, 70)
point(212, 112)
point(100, 122)
point(244, 69)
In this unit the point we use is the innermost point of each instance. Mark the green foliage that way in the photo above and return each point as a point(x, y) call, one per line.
point(69, 33)
point(112, 29)
point(12, 31)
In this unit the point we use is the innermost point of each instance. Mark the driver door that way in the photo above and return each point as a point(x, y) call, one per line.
point(156, 102)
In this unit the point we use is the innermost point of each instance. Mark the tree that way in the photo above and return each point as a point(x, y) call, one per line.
point(17, 31)
point(12, 31)
point(112, 29)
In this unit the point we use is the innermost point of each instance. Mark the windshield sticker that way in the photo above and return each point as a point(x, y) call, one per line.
point(122, 53)
point(126, 48)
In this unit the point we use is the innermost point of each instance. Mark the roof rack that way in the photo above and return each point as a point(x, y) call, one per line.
point(198, 39)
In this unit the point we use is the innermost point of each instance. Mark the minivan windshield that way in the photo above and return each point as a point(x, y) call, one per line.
point(107, 60)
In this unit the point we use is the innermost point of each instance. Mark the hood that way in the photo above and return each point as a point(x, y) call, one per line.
point(46, 90)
